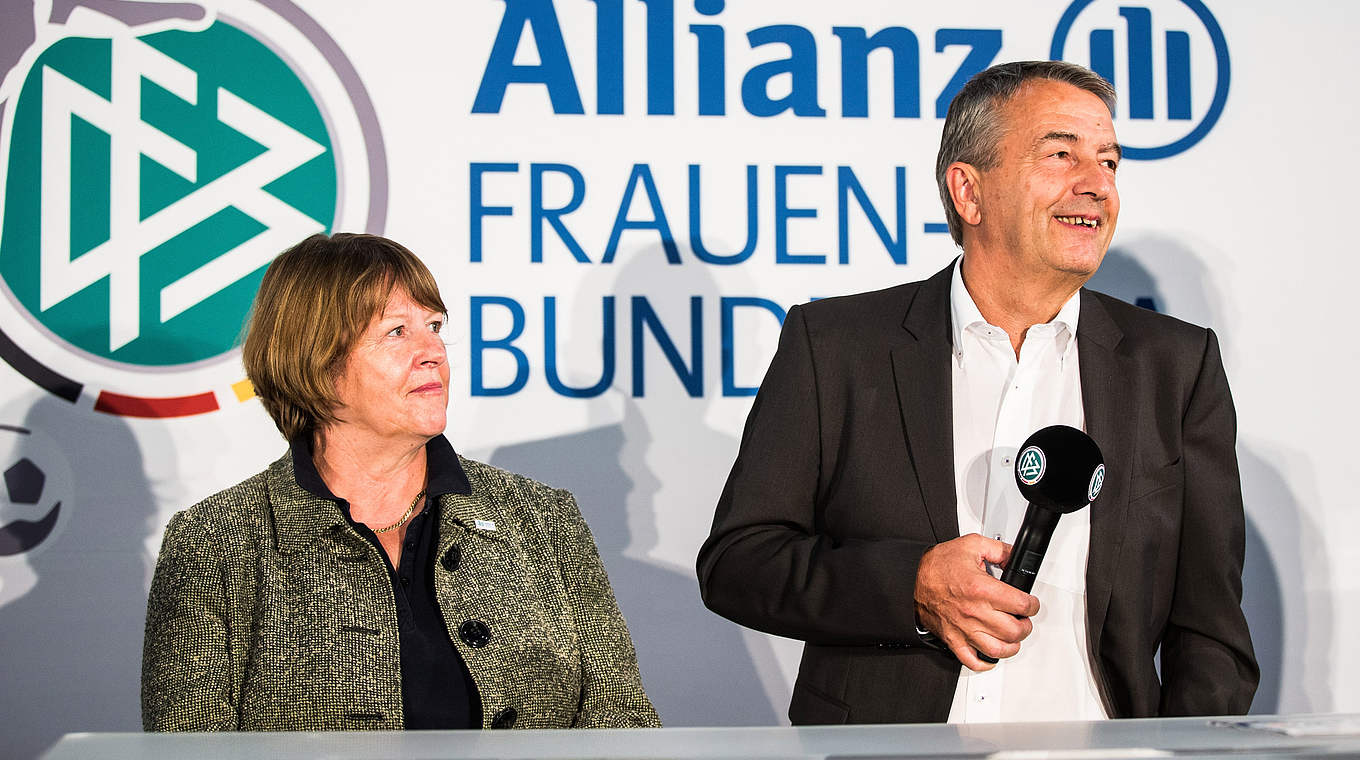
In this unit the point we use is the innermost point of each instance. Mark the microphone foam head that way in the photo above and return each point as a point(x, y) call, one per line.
point(1060, 468)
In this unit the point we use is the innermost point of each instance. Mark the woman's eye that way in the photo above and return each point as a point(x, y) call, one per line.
point(436, 326)
point(398, 331)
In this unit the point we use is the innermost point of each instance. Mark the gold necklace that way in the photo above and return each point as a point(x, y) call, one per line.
point(404, 517)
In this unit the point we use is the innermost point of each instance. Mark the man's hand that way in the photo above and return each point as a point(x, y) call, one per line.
point(968, 609)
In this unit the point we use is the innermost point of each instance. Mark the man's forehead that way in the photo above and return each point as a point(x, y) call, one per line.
point(1044, 108)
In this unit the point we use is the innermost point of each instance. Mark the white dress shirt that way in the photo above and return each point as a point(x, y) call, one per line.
point(998, 402)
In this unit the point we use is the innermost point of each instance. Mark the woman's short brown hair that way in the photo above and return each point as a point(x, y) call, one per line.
point(314, 303)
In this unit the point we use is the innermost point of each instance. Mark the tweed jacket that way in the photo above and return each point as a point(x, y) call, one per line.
point(269, 612)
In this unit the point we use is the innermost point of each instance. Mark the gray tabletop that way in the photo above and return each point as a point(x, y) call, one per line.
point(1318, 736)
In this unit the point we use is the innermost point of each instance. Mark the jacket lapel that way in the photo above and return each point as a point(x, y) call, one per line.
point(299, 517)
point(1105, 377)
point(921, 372)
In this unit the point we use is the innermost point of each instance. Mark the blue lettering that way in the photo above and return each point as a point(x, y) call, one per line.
point(696, 242)
point(801, 66)
point(906, 54)
point(660, 56)
point(480, 345)
point(782, 214)
point(553, 216)
point(608, 56)
point(553, 70)
point(550, 351)
point(984, 44)
point(477, 210)
point(712, 55)
point(643, 174)
point(691, 377)
point(847, 183)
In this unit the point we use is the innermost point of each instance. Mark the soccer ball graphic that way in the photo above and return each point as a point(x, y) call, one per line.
point(36, 478)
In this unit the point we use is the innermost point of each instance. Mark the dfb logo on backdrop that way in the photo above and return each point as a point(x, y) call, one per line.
point(150, 169)
point(1168, 60)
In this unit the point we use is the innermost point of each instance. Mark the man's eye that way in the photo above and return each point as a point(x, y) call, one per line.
point(1060, 154)
point(1111, 164)
point(436, 326)
point(398, 331)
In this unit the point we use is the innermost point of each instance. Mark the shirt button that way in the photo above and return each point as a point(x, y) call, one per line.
point(405, 581)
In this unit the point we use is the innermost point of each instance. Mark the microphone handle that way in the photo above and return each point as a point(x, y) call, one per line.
point(1027, 553)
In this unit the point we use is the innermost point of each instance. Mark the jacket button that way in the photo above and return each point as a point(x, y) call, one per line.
point(474, 633)
point(451, 558)
point(505, 718)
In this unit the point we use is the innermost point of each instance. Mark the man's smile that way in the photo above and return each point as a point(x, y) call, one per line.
point(1091, 222)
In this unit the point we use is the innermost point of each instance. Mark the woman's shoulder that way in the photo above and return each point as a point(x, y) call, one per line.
point(237, 513)
point(490, 481)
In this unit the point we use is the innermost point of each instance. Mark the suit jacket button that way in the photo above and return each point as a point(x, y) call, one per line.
point(451, 558)
point(474, 633)
point(505, 718)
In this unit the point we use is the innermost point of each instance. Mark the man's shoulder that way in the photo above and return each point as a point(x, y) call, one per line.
point(897, 297)
point(862, 312)
point(1142, 327)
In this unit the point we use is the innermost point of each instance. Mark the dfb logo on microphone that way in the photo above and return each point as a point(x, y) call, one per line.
point(1097, 480)
point(1031, 465)
point(1167, 59)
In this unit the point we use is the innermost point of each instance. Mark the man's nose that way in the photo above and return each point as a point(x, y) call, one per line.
point(1094, 179)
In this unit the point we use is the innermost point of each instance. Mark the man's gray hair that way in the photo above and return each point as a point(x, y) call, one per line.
point(973, 128)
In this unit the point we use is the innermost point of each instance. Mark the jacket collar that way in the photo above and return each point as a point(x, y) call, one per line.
point(305, 508)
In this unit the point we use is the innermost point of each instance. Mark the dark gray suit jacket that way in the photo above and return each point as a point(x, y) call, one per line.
point(846, 477)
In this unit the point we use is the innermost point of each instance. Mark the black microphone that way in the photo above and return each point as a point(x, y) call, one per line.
point(1059, 470)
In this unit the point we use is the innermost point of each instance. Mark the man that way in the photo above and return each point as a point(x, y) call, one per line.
point(873, 492)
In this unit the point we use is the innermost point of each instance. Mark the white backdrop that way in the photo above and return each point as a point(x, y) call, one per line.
point(1236, 231)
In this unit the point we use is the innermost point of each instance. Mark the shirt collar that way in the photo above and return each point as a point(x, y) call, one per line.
point(444, 474)
point(964, 313)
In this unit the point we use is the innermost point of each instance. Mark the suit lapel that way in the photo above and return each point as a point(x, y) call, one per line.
point(921, 373)
point(1105, 377)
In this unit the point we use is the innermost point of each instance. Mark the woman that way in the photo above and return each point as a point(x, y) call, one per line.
point(371, 578)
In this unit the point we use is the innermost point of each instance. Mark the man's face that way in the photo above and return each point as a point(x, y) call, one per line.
point(1050, 202)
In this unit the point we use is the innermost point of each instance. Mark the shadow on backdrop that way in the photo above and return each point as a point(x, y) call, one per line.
point(1163, 274)
point(699, 669)
point(71, 645)
point(695, 665)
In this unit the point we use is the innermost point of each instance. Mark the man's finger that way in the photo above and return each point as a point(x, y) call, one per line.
point(968, 657)
point(992, 551)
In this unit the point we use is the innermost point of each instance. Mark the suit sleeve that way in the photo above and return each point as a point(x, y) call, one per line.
point(768, 564)
point(612, 695)
point(186, 664)
point(1208, 666)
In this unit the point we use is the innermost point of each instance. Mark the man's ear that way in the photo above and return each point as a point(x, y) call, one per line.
point(965, 191)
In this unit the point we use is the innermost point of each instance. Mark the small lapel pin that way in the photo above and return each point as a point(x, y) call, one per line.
point(484, 524)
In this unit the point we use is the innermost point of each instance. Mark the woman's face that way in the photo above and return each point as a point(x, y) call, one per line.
point(395, 383)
